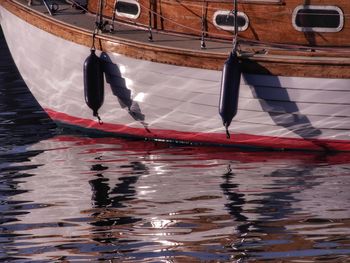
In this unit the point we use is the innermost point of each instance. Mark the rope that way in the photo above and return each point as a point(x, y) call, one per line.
point(242, 40)
point(98, 14)
point(195, 30)
point(207, 8)
point(98, 24)
point(93, 40)
point(219, 35)
point(235, 39)
point(228, 136)
point(182, 25)
point(290, 11)
point(204, 24)
point(113, 17)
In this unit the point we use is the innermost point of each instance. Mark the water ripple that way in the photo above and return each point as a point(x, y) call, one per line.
point(66, 197)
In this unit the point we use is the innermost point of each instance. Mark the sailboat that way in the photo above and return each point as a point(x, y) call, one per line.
point(270, 74)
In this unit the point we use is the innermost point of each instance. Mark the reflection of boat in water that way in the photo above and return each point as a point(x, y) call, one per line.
point(293, 55)
point(132, 200)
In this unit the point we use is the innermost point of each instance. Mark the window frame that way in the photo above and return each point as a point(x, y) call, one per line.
point(318, 29)
point(131, 16)
point(231, 28)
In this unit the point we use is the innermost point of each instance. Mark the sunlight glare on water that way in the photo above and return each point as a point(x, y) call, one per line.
point(65, 197)
point(78, 198)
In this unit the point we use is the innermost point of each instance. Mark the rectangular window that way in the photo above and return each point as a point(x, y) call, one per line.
point(309, 18)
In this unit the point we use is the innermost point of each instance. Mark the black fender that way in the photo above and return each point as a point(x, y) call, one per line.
point(93, 83)
point(229, 92)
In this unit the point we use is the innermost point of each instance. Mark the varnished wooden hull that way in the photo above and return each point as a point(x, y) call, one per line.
point(168, 94)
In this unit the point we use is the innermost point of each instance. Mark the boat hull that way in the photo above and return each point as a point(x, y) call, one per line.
point(179, 103)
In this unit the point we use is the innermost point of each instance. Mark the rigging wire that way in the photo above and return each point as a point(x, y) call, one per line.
point(235, 14)
point(204, 24)
point(78, 5)
point(274, 46)
point(288, 10)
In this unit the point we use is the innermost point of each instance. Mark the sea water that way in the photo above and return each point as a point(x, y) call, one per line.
point(68, 197)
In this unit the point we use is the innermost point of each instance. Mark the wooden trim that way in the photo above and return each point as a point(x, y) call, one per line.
point(297, 69)
point(288, 65)
point(134, 49)
point(268, 21)
point(262, 2)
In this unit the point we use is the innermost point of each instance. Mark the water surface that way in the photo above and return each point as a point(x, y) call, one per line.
point(67, 197)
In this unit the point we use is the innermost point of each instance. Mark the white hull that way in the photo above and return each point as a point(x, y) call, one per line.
point(168, 99)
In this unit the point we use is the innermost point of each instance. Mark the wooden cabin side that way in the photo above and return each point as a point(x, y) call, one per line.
point(312, 22)
point(329, 62)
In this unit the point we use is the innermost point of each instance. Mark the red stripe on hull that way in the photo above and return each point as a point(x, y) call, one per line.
point(207, 138)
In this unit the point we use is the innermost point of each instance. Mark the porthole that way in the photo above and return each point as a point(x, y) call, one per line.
point(226, 20)
point(128, 8)
point(312, 18)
